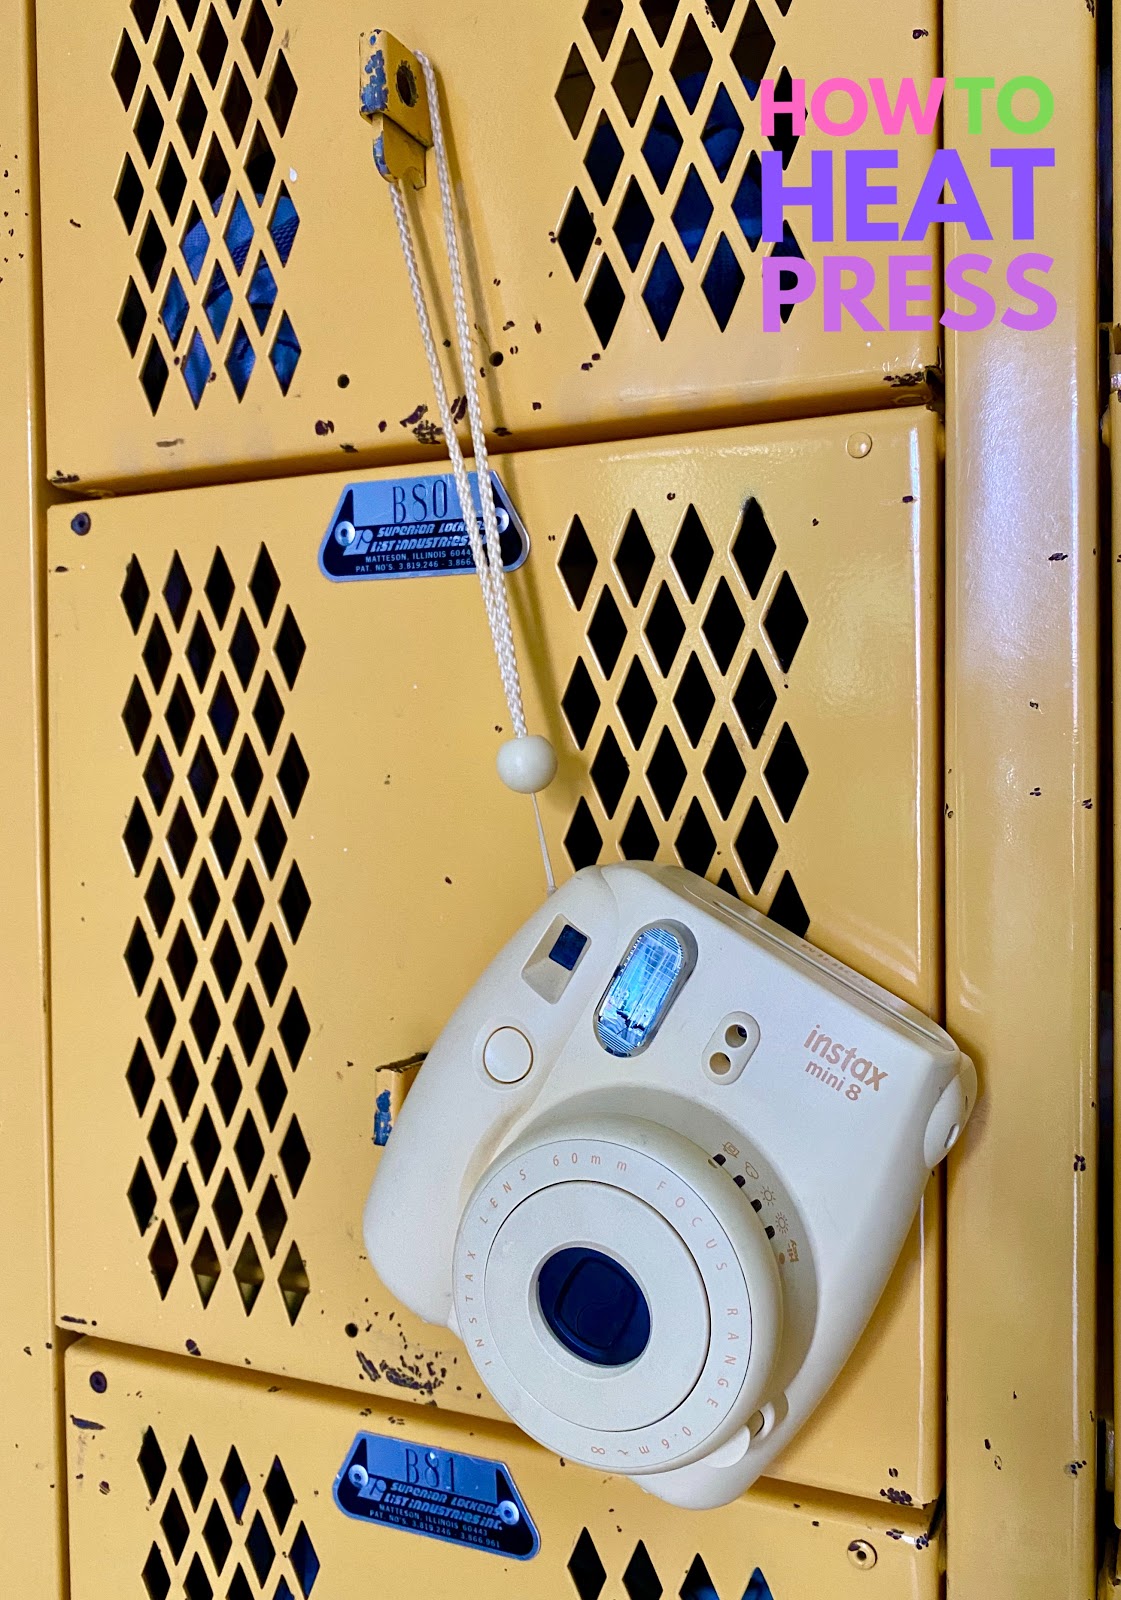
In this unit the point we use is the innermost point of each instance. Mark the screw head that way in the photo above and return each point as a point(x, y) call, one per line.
point(509, 1513)
point(98, 1382)
point(358, 1476)
point(862, 1554)
point(860, 445)
point(81, 524)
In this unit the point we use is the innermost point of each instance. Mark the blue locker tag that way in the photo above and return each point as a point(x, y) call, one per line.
point(412, 528)
point(460, 1499)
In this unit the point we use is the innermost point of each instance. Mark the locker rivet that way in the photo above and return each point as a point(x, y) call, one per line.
point(863, 1554)
point(358, 1476)
point(81, 523)
point(98, 1382)
point(509, 1513)
point(860, 445)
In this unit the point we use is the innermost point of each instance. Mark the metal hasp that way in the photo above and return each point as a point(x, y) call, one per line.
point(393, 97)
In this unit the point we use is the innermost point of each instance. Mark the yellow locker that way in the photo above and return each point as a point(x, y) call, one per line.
point(278, 837)
point(32, 1455)
point(225, 283)
point(189, 1480)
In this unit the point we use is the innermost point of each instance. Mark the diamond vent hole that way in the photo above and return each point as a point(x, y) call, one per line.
point(640, 1580)
point(666, 773)
point(295, 903)
point(604, 158)
point(193, 1474)
point(158, 776)
point(272, 839)
point(786, 773)
point(257, 36)
point(126, 70)
point(200, 652)
point(696, 842)
point(159, 897)
point(217, 1536)
point(249, 1150)
point(694, 700)
point(205, 899)
point(182, 960)
point(293, 777)
point(665, 630)
point(576, 234)
point(226, 962)
point(272, 1091)
point(142, 1198)
point(785, 622)
point(634, 559)
point(140, 1078)
point(145, 12)
point(295, 1030)
point(163, 1260)
point(220, 588)
point(662, 292)
point(272, 965)
point(290, 648)
point(248, 901)
point(278, 1493)
point(155, 1576)
point(662, 145)
point(692, 554)
point(607, 633)
point(237, 105)
point(610, 772)
point(160, 1017)
point(138, 957)
point(723, 283)
point(692, 213)
point(723, 626)
point(249, 1025)
point(153, 1467)
point(578, 563)
point(660, 14)
point(205, 1022)
point(637, 703)
point(632, 78)
point(264, 585)
point(248, 776)
point(691, 64)
point(153, 376)
point(192, 117)
point(184, 1204)
point(725, 772)
point(282, 94)
point(227, 1085)
point(206, 1269)
point(605, 301)
point(236, 1484)
point(212, 47)
point(137, 837)
point(184, 1082)
point(580, 704)
point(633, 224)
point(129, 198)
point(754, 547)
point(149, 127)
point(723, 132)
point(587, 1571)
point(169, 59)
point(227, 1209)
point(753, 49)
point(260, 164)
point(601, 18)
point(294, 1290)
point(788, 910)
point(181, 838)
point(639, 839)
point(574, 92)
point(206, 1144)
point(755, 699)
point(756, 846)
point(223, 713)
point(583, 841)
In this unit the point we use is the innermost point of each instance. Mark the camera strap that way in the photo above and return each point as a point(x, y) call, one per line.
point(538, 770)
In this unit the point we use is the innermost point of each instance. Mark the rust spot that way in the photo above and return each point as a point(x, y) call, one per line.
point(167, 444)
point(924, 33)
point(91, 1427)
point(368, 1366)
point(324, 428)
point(1080, 1163)
point(414, 417)
point(1060, 555)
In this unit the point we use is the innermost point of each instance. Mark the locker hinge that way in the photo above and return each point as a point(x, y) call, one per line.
point(393, 98)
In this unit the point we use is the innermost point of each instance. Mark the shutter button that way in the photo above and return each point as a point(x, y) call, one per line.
point(507, 1056)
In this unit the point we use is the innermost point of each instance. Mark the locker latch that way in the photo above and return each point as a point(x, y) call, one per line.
point(394, 99)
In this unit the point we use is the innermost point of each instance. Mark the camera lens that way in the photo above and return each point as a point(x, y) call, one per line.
point(594, 1307)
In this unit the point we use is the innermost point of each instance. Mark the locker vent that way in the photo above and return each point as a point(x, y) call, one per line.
point(642, 1582)
point(221, 905)
point(209, 93)
point(656, 95)
point(674, 701)
point(221, 1534)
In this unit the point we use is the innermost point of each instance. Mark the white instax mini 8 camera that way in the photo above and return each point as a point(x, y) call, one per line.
point(655, 1174)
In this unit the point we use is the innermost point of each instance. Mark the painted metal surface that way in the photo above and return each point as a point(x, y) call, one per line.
point(183, 1476)
point(224, 274)
point(281, 854)
point(32, 1466)
point(1022, 868)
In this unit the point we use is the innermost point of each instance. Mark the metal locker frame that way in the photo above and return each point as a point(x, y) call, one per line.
point(120, 202)
point(1022, 782)
point(32, 1460)
point(168, 1000)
